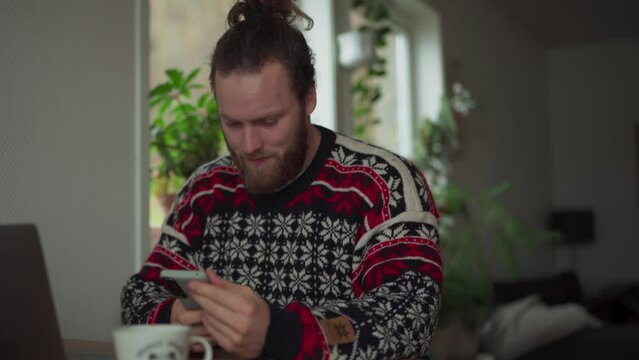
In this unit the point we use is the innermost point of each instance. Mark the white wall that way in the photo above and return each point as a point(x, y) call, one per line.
point(593, 97)
point(507, 136)
point(67, 147)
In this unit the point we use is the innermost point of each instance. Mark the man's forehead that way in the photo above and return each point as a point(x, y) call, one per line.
point(272, 69)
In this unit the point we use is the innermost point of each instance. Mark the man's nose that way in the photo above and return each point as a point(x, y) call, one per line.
point(252, 140)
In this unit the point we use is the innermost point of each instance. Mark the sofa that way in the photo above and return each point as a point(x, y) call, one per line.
point(550, 318)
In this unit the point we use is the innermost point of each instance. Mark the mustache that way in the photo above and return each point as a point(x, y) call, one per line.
point(254, 156)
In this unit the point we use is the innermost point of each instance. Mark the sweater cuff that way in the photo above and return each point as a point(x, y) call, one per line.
point(161, 314)
point(284, 335)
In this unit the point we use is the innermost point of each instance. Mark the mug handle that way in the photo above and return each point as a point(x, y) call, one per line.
point(208, 351)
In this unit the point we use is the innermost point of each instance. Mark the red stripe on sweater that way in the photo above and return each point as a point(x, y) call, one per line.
point(390, 261)
point(380, 188)
point(314, 344)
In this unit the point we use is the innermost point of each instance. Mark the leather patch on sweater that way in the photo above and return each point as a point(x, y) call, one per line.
point(338, 330)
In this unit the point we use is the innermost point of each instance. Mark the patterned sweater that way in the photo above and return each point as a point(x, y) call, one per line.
point(347, 255)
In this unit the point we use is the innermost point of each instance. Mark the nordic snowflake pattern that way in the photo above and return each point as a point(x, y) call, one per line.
point(344, 247)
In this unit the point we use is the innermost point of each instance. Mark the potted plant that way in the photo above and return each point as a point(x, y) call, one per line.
point(467, 217)
point(184, 134)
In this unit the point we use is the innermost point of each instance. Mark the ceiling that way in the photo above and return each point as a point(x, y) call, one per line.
point(566, 22)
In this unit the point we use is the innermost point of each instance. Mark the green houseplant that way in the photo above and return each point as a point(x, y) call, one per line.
point(467, 217)
point(185, 131)
point(365, 86)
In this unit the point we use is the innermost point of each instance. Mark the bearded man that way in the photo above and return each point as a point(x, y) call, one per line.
point(316, 245)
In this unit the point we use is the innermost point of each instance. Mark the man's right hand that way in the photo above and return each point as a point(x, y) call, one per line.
point(192, 318)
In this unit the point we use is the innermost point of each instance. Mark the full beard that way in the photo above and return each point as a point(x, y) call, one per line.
point(287, 166)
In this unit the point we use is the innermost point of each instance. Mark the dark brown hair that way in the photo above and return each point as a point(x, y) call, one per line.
point(261, 31)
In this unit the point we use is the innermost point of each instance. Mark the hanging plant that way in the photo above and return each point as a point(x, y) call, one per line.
point(365, 85)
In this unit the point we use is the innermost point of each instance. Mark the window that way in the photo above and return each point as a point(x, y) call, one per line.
point(413, 86)
point(182, 35)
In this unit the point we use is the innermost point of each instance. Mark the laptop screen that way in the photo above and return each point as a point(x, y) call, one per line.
point(28, 323)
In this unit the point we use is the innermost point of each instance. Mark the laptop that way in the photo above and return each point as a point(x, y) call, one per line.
point(28, 323)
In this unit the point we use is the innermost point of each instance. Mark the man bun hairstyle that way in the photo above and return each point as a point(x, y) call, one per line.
point(262, 31)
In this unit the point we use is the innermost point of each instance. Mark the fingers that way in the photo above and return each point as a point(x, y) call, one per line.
point(190, 317)
point(219, 313)
point(234, 297)
point(199, 330)
point(234, 315)
point(222, 332)
point(228, 343)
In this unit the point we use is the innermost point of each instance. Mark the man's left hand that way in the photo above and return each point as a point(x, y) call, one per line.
point(235, 315)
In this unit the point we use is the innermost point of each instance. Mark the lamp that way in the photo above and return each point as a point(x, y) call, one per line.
point(356, 48)
point(576, 226)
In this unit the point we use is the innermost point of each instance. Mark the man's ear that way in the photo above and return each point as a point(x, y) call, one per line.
point(310, 101)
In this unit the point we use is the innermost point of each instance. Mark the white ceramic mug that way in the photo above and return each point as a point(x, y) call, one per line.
point(157, 342)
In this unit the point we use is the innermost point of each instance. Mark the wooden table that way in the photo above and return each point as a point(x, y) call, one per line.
point(74, 346)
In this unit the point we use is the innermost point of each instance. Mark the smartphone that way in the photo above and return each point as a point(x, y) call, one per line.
point(177, 281)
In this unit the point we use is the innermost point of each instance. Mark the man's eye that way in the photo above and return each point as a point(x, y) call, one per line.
point(232, 124)
point(269, 122)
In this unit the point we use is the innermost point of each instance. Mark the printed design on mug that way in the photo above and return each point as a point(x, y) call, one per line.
point(160, 350)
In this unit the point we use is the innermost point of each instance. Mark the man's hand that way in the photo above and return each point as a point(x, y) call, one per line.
point(235, 315)
point(192, 318)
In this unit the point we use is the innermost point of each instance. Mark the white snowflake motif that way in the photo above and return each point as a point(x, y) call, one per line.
point(283, 225)
point(335, 355)
point(306, 221)
point(406, 338)
point(255, 225)
point(330, 229)
point(289, 252)
point(299, 281)
point(386, 336)
point(213, 226)
point(427, 232)
point(342, 158)
point(367, 354)
point(395, 194)
point(172, 245)
point(194, 258)
point(249, 276)
point(285, 299)
point(415, 313)
point(137, 301)
point(378, 167)
point(342, 259)
point(329, 285)
point(384, 310)
point(212, 250)
point(198, 258)
point(235, 224)
point(347, 232)
point(238, 249)
point(263, 247)
point(405, 287)
point(395, 232)
point(366, 303)
point(151, 290)
point(278, 280)
point(316, 254)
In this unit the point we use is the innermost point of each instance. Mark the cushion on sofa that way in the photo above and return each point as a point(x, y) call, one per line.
point(525, 324)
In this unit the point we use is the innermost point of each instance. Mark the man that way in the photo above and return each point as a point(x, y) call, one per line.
point(317, 245)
